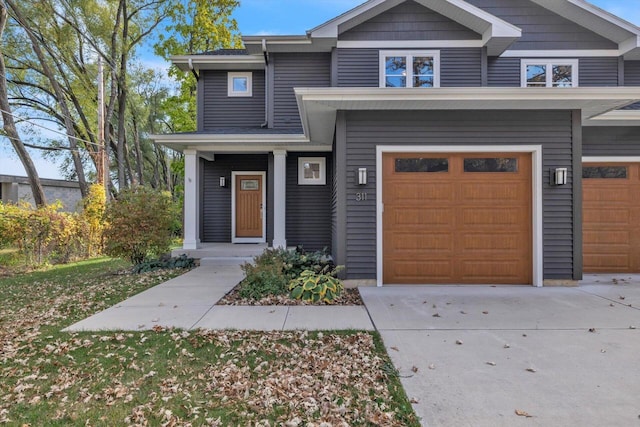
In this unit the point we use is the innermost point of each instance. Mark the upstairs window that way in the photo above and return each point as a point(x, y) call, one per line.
point(410, 69)
point(240, 84)
point(549, 73)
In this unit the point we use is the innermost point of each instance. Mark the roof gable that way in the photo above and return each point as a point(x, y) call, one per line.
point(409, 21)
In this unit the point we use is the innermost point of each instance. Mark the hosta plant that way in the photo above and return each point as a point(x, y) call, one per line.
point(314, 287)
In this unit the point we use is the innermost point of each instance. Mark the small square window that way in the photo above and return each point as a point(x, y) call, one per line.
point(558, 73)
point(312, 171)
point(240, 84)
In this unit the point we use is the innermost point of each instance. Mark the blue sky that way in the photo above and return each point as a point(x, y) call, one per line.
point(287, 17)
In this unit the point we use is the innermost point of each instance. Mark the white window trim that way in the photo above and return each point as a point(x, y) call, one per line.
point(536, 166)
point(323, 171)
point(248, 75)
point(435, 54)
point(549, 63)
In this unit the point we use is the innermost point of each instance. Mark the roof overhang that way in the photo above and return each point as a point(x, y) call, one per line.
point(238, 143)
point(616, 118)
point(219, 62)
point(318, 106)
point(599, 21)
point(497, 34)
point(295, 44)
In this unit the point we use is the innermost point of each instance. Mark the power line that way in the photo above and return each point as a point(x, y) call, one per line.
point(38, 147)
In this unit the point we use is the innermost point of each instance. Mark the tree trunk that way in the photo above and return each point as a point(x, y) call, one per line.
point(122, 97)
point(10, 126)
point(60, 98)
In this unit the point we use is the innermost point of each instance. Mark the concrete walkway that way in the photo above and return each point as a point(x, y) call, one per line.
point(472, 356)
point(188, 302)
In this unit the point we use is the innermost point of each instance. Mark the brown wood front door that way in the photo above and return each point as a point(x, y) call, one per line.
point(249, 206)
point(611, 209)
point(457, 218)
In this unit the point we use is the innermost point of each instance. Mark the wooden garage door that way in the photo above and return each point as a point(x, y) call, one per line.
point(611, 228)
point(457, 218)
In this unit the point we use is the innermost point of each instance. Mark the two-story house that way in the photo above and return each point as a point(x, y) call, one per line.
point(426, 142)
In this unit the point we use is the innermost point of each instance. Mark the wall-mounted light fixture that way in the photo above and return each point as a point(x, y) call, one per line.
point(559, 176)
point(223, 181)
point(362, 176)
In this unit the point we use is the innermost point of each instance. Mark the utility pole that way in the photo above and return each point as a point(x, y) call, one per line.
point(103, 169)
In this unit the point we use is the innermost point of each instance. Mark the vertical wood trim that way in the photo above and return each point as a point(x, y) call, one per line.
point(341, 196)
point(280, 199)
point(577, 194)
point(621, 71)
point(270, 212)
point(484, 68)
point(191, 201)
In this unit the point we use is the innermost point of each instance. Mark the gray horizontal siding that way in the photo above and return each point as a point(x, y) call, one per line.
point(216, 200)
point(632, 73)
point(611, 141)
point(410, 21)
point(293, 70)
point(504, 72)
point(551, 129)
point(541, 28)
point(459, 67)
point(308, 207)
point(223, 111)
point(598, 72)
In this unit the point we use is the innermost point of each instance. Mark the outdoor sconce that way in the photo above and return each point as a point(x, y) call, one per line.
point(223, 181)
point(362, 176)
point(559, 176)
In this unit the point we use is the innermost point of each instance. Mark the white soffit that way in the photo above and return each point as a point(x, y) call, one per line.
point(616, 118)
point(218, 62)
point(318, 106)
point(609, 26)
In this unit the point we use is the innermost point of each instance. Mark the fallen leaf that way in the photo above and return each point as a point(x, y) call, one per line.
point(414, 401)
point(436, 315)
point(603, 351)
point(395, 348)
point(632, 327)
point(463, 312)
point(414, 369)
point(432, 366)
point(491, 363)
point(507, 346)
point(459, 342)
point(623, 298)
point(592, 330)
point(485, 312)
point(521, 413)
point(531, 370)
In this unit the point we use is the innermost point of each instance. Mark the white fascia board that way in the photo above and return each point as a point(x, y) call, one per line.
point(330, 28)
point(236, 142)
point(212, 62)
point(566, 53)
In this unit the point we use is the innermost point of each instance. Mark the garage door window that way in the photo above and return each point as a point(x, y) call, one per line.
point(498, 164)
point(605, 172)
point(422, 165)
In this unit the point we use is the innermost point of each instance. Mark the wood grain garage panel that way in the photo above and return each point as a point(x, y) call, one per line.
point(611, 218)
point(456, 226)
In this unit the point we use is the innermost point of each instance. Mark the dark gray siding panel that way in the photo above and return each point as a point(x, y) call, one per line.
point(358, 68)
point(551, 129)
point(222, 111)
point(410, 21)
point(598, 71)
point(216, 219)
point(461, 67)
point(296, 70)
point(632, 73)
point(541, 28)
point(611, 141)
point(458, 67)
point(308, 207)
point(504, 72)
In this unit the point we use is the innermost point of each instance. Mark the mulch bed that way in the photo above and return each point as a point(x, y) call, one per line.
point(348, 297)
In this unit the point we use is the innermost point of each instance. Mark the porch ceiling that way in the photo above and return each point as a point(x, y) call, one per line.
point(318, 106)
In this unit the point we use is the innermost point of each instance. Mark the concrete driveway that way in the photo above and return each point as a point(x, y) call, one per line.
point(473, 356)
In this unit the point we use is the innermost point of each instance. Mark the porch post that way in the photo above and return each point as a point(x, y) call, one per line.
point(279, 199)
point(191, 200)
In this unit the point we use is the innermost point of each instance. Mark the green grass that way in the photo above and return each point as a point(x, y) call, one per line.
point(168, 376)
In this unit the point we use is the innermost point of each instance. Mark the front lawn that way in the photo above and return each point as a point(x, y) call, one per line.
point(170, 377)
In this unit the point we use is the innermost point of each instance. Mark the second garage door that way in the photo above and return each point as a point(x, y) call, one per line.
point(611, 218)
point(457, 218)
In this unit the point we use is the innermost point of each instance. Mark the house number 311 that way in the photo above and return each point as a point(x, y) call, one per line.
point(361, 197)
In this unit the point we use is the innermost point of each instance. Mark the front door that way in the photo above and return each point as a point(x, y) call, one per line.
point(249, 208)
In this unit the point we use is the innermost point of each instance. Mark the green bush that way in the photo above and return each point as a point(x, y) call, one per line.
point(164, 264)
point(271, 271)
point(313, 287)
point(139, 224)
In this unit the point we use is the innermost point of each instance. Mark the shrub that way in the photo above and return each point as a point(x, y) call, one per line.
point(313, 287)
point(93, 207)
point(164, 264)
point(138, 224)
point(271, 271)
